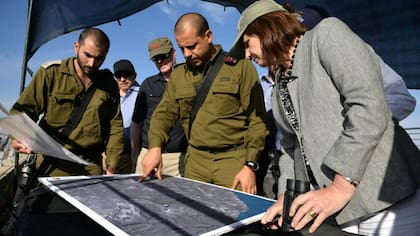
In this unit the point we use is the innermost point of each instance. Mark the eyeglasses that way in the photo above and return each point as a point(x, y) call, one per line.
point(124, 74)
point(161, 57)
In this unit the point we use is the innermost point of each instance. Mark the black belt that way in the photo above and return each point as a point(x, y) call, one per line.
point(212, 150)
point(164, 150)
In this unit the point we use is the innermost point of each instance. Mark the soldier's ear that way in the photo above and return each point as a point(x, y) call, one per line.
point(76, 47)
point(209, 36)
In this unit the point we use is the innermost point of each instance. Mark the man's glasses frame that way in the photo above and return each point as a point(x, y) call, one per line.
point(161, 57)
point(124, 74)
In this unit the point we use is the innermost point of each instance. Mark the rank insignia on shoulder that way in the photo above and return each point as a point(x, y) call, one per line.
point(230, 60)
point(50, 63)
point(179, 64)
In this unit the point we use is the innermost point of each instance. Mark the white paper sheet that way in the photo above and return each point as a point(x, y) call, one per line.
point(23, 128)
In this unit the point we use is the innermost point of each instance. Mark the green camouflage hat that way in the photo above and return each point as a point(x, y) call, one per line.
point(160, 46)
point(251, 13)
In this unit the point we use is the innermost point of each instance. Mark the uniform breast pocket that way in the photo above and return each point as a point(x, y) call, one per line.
point(91, 133)
point(59, 107)
point(225, 100)
point(184, 97)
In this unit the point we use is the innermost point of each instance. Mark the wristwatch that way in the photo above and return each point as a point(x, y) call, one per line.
point(253, 165)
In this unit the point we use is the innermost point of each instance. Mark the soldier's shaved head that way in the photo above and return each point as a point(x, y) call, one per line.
point(99, 37)
point(194, 20)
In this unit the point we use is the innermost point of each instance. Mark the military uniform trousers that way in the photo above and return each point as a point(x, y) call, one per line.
point(211, 166)
point(172, 163)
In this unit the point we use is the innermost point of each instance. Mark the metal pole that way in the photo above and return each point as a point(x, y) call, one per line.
point(22, 82)
point(25, 50)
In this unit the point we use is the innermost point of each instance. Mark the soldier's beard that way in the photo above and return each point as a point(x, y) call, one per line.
point(87, 70)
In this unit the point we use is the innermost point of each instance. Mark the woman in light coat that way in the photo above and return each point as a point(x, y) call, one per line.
point(338, 130)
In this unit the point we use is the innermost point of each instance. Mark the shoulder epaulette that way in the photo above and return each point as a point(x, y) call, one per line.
point(50, 63)
point(178, 64)
point(229, 60)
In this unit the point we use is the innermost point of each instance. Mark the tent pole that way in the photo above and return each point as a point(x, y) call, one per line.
point(22, 86)
point(25, 50)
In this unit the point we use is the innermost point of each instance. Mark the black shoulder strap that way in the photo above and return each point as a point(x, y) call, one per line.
point(205, 87)
point(75, 116)
point(78, 110)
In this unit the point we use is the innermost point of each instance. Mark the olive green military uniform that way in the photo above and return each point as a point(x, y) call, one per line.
point(53, 92)
point(229, 127)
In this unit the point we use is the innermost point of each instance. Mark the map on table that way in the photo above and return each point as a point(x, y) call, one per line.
point(171, 206)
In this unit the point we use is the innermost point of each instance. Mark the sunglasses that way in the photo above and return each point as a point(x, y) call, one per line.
point(161, 57)
point(124, 74)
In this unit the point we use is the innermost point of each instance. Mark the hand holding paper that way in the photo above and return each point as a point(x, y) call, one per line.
point(23, 129)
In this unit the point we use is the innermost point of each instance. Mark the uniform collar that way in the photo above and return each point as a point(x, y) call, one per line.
point(206, 66)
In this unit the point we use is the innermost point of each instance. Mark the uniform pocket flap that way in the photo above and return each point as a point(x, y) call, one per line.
point(62, 98)
point(224, 85)
point(184, 92)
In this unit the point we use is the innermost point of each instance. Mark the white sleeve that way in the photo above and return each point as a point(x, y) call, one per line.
point(397, 95)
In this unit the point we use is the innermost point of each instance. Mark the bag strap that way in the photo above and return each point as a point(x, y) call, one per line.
point(205, 87)
point(74, 119)
point(81, 104)
point(77, 113)
point(26, 181)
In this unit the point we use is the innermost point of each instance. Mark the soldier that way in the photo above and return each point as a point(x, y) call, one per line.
point(229, 131)
point(57, 89)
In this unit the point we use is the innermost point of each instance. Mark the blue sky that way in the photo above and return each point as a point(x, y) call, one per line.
point(128, 41)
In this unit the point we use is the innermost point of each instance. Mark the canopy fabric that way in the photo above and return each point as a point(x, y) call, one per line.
point(392, 29)
point(49, 19)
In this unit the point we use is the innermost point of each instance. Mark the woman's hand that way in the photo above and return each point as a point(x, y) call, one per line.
point(269, 218)
point(318, 205)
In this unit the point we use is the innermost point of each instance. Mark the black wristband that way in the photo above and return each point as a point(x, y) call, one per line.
point(253, 165)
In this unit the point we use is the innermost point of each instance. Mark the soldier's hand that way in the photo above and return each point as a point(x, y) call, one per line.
point(152, 163)
point(110, 170)
point(245, 177)
point(19, 146)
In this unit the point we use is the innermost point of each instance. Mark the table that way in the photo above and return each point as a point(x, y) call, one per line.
point(171, 206)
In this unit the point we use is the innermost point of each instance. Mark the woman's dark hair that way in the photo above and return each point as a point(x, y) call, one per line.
point(276, 31)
